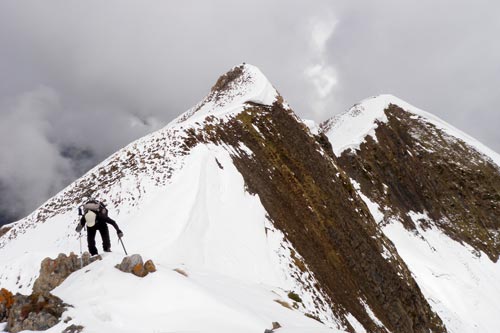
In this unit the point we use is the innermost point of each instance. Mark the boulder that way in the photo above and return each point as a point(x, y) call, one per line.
point(129, 263)
point(135, 265)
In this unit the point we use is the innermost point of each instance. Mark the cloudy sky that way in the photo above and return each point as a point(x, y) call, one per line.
point(81, 79)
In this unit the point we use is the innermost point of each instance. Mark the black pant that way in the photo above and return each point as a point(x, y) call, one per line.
point(103, 230)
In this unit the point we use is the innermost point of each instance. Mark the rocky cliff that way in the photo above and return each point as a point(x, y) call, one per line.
point(411, 165)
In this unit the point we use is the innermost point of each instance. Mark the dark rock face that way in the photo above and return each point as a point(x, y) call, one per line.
point(313, 202)
point(417, 167)
point(54, 271)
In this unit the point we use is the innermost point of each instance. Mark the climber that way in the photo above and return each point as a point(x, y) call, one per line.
point(95, 215)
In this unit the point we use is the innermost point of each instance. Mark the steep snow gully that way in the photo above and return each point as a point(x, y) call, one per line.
point(227, 261)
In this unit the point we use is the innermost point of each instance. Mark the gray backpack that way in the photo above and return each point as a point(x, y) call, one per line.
point(92, 210)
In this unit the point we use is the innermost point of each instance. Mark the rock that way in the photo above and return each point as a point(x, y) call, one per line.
point(129, 263)
point(150, 266)
point(73, 329)
point(41, 310)
point(276, 325)
point(4, 230)
point(181, 272)
point(36, 312)
point(134, 264)
point(54, 271)
point(6, 301)
point(139, 270)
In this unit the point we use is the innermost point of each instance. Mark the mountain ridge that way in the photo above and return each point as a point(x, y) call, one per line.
point(258, 198)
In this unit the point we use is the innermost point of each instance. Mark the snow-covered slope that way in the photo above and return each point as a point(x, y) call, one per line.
point(414, 172)
point(185, 207)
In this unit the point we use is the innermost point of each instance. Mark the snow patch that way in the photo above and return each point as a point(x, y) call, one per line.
point(374, 208)
point(312, 125)
point(358, 327)
point(350, 129)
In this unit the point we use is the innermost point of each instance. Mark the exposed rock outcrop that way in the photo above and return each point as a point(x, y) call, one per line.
point(41, 310)
point(54, 271)
point(36, 312)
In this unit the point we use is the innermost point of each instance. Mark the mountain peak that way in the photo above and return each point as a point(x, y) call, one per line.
point(235, 76)
point(349, 130)
point(242, 84)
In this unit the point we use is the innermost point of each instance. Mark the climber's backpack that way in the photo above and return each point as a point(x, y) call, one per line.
point(92, 210)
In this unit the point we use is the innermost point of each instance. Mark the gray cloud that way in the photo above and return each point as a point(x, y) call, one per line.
point(82, 79)
point(440, 56)
point(30, 166)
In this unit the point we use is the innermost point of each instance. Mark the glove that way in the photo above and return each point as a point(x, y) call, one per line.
point(79, 227)
point(120, 234)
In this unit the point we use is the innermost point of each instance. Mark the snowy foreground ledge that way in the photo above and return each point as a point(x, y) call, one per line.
point(104, 299)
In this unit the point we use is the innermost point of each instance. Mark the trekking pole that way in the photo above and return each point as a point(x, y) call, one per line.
point(120, 239)
point(81, 255)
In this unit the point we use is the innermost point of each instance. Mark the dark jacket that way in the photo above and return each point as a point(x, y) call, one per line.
point(101, 226)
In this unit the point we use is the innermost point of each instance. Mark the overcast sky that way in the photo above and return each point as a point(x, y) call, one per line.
point(81, 79)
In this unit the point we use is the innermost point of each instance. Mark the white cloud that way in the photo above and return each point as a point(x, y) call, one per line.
point(324, 79)
point(322, 30)
point(320, 73)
